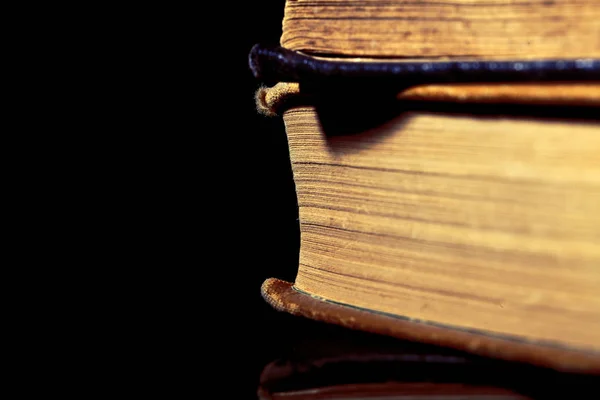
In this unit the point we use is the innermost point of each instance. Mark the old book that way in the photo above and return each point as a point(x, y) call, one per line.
point(328, 362)
point(449, 29)
point(465, 215)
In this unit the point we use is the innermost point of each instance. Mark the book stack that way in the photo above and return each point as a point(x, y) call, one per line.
point(446, 157)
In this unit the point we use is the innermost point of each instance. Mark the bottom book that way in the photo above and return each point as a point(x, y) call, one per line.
point(460, 223)
point(324, 361)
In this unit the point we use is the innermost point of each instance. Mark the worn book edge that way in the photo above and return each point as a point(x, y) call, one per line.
point(272, 101)
point(282, 296)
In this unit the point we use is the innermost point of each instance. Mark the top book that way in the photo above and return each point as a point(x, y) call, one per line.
point(498, 29)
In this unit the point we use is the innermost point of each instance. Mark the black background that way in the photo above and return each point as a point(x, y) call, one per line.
point(261, 232)
point(194, 205)
point(191, 206)
point(245, 227)
point(266, 217)
point(156, 201)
